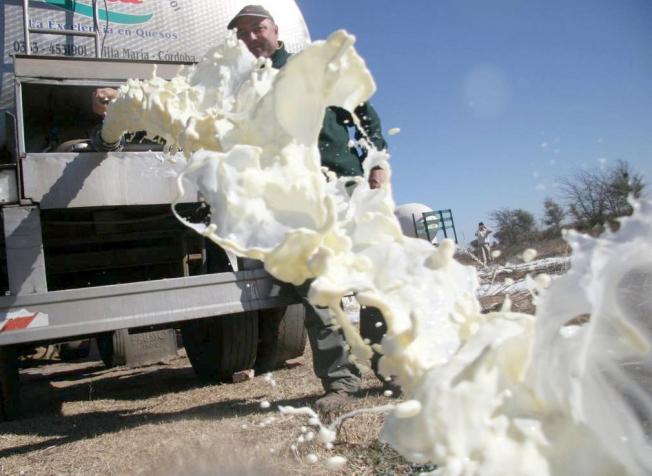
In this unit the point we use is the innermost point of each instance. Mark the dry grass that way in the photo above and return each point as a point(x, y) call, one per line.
point(80, 418)
point(83, 419)
point(546, 248)
point(521, 302)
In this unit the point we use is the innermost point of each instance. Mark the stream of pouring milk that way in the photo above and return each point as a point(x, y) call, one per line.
point(502, 393)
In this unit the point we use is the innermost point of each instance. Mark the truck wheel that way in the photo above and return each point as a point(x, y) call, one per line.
point(219, 346)
point(282, 336)
point(74, 350)
point(9, 384)
point(111, 346)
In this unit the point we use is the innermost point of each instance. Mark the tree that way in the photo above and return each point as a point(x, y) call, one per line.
point(514, 226)
point(595, 197)
point(553, 215)
point(622, 183)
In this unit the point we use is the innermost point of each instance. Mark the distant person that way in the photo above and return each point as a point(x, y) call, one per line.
point(482, 239)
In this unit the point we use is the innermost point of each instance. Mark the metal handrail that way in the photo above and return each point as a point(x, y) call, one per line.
point(49, 31)
point(439, 219)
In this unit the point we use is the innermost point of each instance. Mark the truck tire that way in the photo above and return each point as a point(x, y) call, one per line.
point(9, 384)
point(219, 346)
point(74, 350)
point(111, 346)
point(282, 336)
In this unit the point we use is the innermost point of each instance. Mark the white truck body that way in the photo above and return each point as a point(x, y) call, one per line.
point(88, 243)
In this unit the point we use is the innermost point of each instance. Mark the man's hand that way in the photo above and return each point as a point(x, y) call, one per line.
point(101, 99)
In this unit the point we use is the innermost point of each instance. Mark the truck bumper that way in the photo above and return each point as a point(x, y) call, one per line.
point(76, 312)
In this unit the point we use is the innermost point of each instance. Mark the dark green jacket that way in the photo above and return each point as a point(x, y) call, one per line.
point(338, 124)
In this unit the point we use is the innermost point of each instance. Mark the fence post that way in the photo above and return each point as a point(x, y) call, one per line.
point(424, 217)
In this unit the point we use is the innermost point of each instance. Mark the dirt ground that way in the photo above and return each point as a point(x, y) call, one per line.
point(84, 419)
point(81, 418)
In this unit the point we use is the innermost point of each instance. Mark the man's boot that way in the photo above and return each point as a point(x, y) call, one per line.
point(332, 401)
point(392, 386)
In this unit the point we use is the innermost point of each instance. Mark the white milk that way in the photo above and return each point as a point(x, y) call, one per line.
point(503, 393)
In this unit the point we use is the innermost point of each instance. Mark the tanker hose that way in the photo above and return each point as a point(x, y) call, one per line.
point(100, 145)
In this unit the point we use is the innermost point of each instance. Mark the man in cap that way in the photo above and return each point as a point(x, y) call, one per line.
point(256, 27)
point(377, 177)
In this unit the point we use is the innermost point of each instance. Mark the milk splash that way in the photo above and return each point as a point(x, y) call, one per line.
point(503, 393)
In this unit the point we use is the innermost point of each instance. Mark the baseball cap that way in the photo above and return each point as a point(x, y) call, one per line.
point(250, 11)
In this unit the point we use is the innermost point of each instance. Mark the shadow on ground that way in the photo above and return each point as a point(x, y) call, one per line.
point(44, 394)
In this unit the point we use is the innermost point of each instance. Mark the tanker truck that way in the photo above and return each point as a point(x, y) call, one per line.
point(89, 247)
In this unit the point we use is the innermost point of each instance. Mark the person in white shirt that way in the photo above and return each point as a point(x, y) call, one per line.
point(482, 238)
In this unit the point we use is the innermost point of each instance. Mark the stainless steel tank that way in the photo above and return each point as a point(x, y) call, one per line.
point(158, 30)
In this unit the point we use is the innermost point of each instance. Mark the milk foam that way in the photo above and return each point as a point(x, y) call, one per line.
point(502, 393)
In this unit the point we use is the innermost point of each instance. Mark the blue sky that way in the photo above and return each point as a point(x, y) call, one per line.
point(497, 99)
